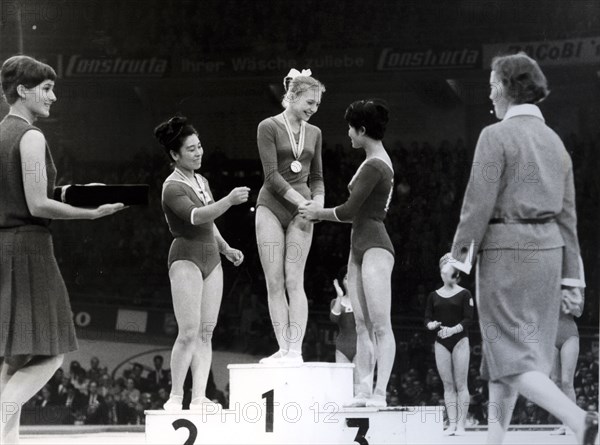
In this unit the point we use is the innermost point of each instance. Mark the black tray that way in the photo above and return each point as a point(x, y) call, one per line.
point(95, 195)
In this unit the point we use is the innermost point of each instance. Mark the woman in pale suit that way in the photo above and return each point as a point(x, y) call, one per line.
point(519, 213)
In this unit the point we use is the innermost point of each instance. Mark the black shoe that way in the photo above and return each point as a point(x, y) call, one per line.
point(591, 428)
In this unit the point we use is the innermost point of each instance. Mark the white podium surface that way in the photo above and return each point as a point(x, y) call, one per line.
point(313, 384)
point(294, 405)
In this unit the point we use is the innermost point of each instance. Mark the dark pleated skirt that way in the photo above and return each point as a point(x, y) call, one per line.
point(518, 303)
point(35, 313)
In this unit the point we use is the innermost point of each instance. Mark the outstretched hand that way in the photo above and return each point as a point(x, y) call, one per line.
point(107, 209)
point(238, 195)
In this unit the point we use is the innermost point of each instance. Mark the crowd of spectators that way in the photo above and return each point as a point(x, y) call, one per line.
point(97, 396)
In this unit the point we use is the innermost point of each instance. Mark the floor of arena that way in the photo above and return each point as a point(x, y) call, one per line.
point(136, 436)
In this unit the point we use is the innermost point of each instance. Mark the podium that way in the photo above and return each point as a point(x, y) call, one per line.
point(278, 404)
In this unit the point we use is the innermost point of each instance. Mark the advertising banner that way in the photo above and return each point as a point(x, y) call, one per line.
point(394, 59)
point(551, 52)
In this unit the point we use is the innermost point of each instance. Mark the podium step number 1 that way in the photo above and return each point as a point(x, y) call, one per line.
point(361, 423)
point(280, 411)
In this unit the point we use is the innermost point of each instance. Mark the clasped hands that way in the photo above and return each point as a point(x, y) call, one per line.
point(444, 331)
point(309, 209)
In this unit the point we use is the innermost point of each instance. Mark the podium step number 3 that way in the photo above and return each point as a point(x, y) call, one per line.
point(265, 424)
point(299, 405)
point(361, 423)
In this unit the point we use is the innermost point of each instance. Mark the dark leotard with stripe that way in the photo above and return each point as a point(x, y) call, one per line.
point(195, 243)
point(370, 193)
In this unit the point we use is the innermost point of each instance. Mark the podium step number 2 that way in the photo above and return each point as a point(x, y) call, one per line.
point(361, 423)
point(300, 406)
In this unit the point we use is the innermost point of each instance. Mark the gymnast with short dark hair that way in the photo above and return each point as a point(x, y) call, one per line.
point(371, 252)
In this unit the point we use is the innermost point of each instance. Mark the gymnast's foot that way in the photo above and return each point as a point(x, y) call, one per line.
point(274, 359)
point(174, 403)
point(292, 358)
point(376, 401)
point(560, 431)
point(450, 431)
point(358, 401)
point(204, 404)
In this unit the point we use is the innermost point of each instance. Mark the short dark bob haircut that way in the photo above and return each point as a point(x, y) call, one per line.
point(522, 77)
point(372, 114)
point(23, 70)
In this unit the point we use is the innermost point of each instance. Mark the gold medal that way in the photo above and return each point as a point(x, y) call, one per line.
point(296, 167)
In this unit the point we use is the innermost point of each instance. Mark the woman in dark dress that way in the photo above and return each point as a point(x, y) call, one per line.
point(35, 314)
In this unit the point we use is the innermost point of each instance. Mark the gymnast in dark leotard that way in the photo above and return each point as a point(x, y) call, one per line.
point(290, 153)
point(449, 310)
point(194, 258)
point(371, 251)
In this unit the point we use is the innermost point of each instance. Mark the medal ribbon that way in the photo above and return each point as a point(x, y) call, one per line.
point(299, 147)
point(199, 189)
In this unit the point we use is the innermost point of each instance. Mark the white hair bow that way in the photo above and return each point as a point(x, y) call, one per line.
point(294, 72)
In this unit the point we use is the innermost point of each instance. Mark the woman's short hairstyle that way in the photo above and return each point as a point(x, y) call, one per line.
point(372, 114)
point(295, 86)
point(172, 133)
point(522, 77)
point(23, 70)
point(445, 260)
